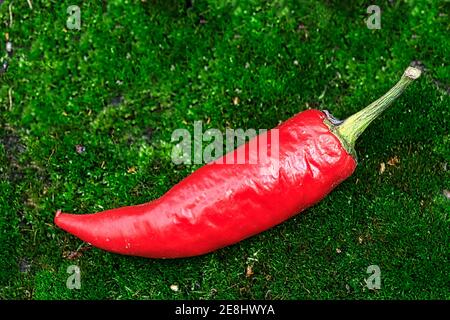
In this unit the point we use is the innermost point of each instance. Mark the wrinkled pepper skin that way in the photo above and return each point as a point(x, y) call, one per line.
point(222, 204)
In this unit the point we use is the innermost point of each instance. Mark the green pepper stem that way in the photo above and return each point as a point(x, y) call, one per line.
point(353, 126)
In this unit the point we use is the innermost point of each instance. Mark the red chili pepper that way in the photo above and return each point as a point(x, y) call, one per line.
point(221, 204)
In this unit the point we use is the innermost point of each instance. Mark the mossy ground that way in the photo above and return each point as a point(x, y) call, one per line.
point(137, 70)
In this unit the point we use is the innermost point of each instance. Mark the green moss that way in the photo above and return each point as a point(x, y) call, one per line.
point(137, 71)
